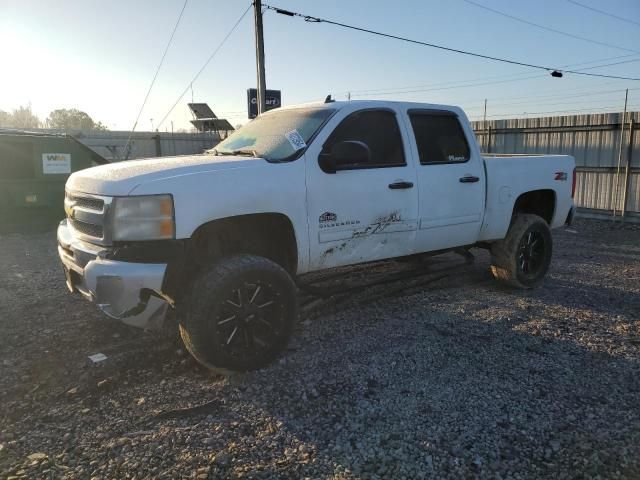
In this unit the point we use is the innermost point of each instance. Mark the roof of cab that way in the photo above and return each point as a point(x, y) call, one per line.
point(339, 104)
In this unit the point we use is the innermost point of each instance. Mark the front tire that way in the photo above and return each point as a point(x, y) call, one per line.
point(522, 258)
point(240, 314)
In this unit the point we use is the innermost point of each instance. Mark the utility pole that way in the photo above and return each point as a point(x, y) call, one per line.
point(262, 98)
point(484, 119)
point(617, 177)
point(626, 170)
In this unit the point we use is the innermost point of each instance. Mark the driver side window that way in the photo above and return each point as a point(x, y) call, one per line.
point(379, 130)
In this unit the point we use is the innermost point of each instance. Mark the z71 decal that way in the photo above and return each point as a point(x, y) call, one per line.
point(561, 176)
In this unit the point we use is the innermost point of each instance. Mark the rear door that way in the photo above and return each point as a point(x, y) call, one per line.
point(451, 180)
point(370, 210)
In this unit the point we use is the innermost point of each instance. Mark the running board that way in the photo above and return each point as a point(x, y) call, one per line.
point(312, 288)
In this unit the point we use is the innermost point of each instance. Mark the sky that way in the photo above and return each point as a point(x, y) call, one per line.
point(100, 57)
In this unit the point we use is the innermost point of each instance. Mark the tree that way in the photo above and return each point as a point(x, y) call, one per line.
point(5, 119)
point(72, 119)
point(23, 117)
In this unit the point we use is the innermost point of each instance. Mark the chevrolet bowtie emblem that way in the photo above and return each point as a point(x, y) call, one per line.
point(69, 210)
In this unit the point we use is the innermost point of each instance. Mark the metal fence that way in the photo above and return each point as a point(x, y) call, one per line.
point(607, 159)
point(111, 144)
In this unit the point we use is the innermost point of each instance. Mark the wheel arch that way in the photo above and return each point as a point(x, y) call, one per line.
point(269, 234)
point(537, 202)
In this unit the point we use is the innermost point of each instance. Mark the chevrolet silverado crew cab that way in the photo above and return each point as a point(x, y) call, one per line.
point(224, 237)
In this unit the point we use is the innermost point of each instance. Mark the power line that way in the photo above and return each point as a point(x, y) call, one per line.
point(146, 97)
point(501, 77)
point(220, 45)
point(548, 99)
point(451, 87)
point(564, 95)
point(552, 70)
point(466, 84)
point(549, 102)
point(609, 64)
point(549, 29)
point(614, 109)
point(602, 12)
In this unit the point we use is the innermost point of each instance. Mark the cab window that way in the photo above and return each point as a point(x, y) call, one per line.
point(439, 138)
point(379, 130)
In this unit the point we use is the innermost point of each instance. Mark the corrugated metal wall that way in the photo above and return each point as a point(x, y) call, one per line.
point(593, 140)
point(110, 144)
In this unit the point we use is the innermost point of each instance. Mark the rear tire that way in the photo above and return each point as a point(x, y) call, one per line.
point(239, 314)
point(522, 258)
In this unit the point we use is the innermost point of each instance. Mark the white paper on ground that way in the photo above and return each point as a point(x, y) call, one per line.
point(97, 357)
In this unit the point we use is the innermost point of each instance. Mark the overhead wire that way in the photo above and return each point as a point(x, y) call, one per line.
point(614, 109)
point(155, 76)
point(547, 99)
point(451, 87)
point(547, 102)
point(217, 49)
point(602, 12)
point(501, 77)
point(401, 91)
point(548, 29)
point(573, 92)
point(554, 71)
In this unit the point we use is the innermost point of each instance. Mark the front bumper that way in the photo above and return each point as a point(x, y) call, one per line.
point(126, 291)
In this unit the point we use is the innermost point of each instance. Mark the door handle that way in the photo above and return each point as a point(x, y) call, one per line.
point(469, 179)
point(400, 185)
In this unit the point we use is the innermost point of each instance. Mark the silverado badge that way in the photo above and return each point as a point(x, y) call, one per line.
point(328, 217)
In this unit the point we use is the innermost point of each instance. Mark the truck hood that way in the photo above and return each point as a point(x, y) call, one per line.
point(118, 179)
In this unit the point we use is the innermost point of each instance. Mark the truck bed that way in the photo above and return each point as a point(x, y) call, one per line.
point(509, 176)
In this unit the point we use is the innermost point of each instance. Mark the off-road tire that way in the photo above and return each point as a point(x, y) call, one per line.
point(200, 312)
point(506, 259)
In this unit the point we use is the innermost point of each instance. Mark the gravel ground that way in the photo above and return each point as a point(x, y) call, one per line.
point(452, 378)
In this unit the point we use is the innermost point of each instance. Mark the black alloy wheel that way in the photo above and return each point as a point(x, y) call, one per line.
point(239, 314)
point(523, 257)
point(250, 320)
point(531, 251)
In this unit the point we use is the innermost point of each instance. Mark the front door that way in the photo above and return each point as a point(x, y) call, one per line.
point(366, 210)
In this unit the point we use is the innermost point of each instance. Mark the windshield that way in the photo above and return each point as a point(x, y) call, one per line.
point(277, 136)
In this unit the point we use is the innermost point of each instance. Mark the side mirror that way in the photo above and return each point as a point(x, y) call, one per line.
point(343, 154)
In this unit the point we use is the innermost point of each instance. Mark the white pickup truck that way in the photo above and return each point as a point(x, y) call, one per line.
point(224, 237)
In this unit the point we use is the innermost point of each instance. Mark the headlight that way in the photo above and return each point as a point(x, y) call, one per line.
point(143, 218)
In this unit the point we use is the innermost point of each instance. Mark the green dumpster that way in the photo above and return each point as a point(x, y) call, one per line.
point(33, 170)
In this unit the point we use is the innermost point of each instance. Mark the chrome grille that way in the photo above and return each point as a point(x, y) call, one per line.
point(86, 228)
point(88, 215)
point(90, 203)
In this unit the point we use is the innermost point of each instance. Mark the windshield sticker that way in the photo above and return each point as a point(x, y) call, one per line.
point(296, 140)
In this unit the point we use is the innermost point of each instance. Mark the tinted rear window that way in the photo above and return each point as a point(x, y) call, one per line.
point(440, 138)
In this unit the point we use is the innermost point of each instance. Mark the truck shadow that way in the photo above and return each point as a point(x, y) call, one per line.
point(380, 385)
point(390, 381)
point(453, 393)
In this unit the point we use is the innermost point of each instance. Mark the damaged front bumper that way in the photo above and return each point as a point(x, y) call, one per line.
point(126, 291)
